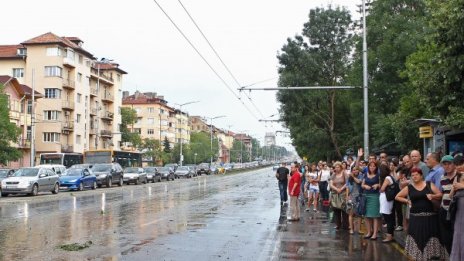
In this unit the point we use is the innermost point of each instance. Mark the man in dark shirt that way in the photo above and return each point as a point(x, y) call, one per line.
point(282, 177)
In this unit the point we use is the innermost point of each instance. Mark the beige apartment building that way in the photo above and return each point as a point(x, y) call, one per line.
point(81, 96)
point(156, 119)
point(20, 112)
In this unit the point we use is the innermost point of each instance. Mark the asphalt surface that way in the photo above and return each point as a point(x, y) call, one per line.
point(220, 217)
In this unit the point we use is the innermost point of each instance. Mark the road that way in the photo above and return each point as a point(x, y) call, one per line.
point(221, 217)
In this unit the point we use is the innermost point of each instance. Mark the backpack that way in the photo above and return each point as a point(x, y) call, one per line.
point(392, 190)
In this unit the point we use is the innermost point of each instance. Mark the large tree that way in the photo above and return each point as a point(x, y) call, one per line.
point(9, 132)
point(318, 120)
point(128, 118)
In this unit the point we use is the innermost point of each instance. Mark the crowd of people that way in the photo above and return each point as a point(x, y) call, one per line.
point(426, 199)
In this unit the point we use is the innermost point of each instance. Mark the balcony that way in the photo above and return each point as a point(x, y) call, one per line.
point(69, 84)
point(94, 91)
point(103, 77)
point(14, 115)
point(68, 105)
point(93, 111)
point(107, 97)
point(105, 134)
point(106, 115)
point(68, 62)
point(67, 127)
point(24, 143)
point(92, 131)
point(67, 148)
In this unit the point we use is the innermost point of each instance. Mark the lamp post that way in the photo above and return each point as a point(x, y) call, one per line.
point(195, 159)
point(180, 129)
point(365, 93)
point(211, 132)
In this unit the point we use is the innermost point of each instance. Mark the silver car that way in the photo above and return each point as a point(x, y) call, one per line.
point(134, 175)
point(31, 181)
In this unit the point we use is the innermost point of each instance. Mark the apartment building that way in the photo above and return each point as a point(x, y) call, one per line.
point(20, 107)
point(156, 119)
point(80, 105)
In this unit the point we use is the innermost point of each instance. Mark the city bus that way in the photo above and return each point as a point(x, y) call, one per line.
point(124, 158)
point(66, 159)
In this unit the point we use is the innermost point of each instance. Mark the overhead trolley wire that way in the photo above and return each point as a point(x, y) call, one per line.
point(204, 59)
point(218, 56)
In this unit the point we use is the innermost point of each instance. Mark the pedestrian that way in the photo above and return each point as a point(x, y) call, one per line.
point(457, 250)
point(294, 185)
point(404, 177)
point(371, 186)
point(354, 189)
point(282, 177)
point(416, 162)
point(338, 196)
point(436, 171)
point(386, 206)
point(323, 183)
point(446, 183)
point(312, 180)
point(396, 173)
point(422, 240)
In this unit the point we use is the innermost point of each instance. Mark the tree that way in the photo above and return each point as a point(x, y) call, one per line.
point(9, 132)
point(151, 149)
point(166, 145)
point(436, 70)
point(318, 120)
point(128, 118)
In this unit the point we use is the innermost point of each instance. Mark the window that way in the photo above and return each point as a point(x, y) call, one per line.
point(79, 77)
point(150, 131)
point(78, 139)
point(52, 93)
point(81, 59)
point(161, 111)
point(21, 51)
point(53, 71)
point(137, 130)
point(138, 121)
point(29, 107)
point(53, 51)
point(151, 110)
point(70, 54)
point(151, 121)
point(51, 137)
point(118, 77)
point(51, 115)
point(78, 118)
point(79, 97)
point(18, 72)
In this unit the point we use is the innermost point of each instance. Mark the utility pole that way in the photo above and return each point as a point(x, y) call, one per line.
point(32, 164)
point(365, 90)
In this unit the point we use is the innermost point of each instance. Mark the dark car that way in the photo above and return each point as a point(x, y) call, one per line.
point(153, 174)
point(108, 174)
point(166, 173)
point(203, 168)
point(184, 171)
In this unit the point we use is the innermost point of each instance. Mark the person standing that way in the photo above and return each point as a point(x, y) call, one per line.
point(371, 186)
point(422, 240)
point(282, 177)
point(324, 181)
point(436, 171)
point(386, 206)
point(417, 163)
point(312, 180)
point(457, 251)
point(294, 190)
point(338, 197)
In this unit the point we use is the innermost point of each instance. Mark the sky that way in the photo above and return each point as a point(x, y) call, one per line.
point(247, 35)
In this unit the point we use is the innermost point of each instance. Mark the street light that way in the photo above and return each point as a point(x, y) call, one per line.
point(195, 159)
point(180, 110)
point(211, 131)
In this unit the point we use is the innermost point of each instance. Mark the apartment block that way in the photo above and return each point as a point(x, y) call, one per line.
point(156, 119)
point(20, 107)
point(81, 95)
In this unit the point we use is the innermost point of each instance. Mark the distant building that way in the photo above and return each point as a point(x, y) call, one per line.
point(270, 139)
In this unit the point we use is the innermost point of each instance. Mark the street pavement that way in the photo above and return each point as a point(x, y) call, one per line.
point(220, 217)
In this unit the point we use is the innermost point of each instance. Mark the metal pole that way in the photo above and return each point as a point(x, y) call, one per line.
point(32, 163)
point(365, 93)
point(98, 109)
point(241, 149)
point(180, 129)
point(211, 148)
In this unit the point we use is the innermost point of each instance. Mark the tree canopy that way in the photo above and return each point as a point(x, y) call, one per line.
point(9, 132)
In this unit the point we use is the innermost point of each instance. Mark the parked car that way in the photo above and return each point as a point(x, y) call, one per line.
point(275, 167)
point(108, 174)
point(213, 169)
point(78, 178)
point(82, 166)
point(135, 175)
point(153, 174)
point(58, 169)
point(192, 167)
point(5, 173)
point(166, 173)
point(173, 166)
point(228, 166)
point(31, 181)
point(203, 168)
point(184, 171)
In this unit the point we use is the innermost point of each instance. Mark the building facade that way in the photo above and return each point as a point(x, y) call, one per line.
point(80, 105)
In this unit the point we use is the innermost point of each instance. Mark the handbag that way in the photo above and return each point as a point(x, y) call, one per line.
point(435, 203)
point(392, 190)
point(337, 200)
point(361, 205)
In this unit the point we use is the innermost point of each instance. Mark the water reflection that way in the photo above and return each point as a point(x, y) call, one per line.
point(103, 202)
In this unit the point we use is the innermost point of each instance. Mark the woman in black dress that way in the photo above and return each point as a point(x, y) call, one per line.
point(422, 241)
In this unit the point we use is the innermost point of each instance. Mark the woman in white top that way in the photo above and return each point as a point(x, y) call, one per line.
point(312, 185)
point(324, 175)
point(386, 207)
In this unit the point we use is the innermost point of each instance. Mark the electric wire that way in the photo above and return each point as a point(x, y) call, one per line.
point(203, 58)
point(219, 57)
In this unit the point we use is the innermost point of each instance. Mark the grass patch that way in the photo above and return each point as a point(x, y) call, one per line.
point(75, 246)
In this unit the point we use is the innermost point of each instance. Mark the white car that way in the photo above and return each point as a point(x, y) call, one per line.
point(134, 175)
point(58, 169)
point(31, 181)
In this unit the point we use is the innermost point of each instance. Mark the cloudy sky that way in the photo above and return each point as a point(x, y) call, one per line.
point(247, 34)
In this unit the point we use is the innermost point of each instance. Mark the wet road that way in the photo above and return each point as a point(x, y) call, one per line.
point(231, 217)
